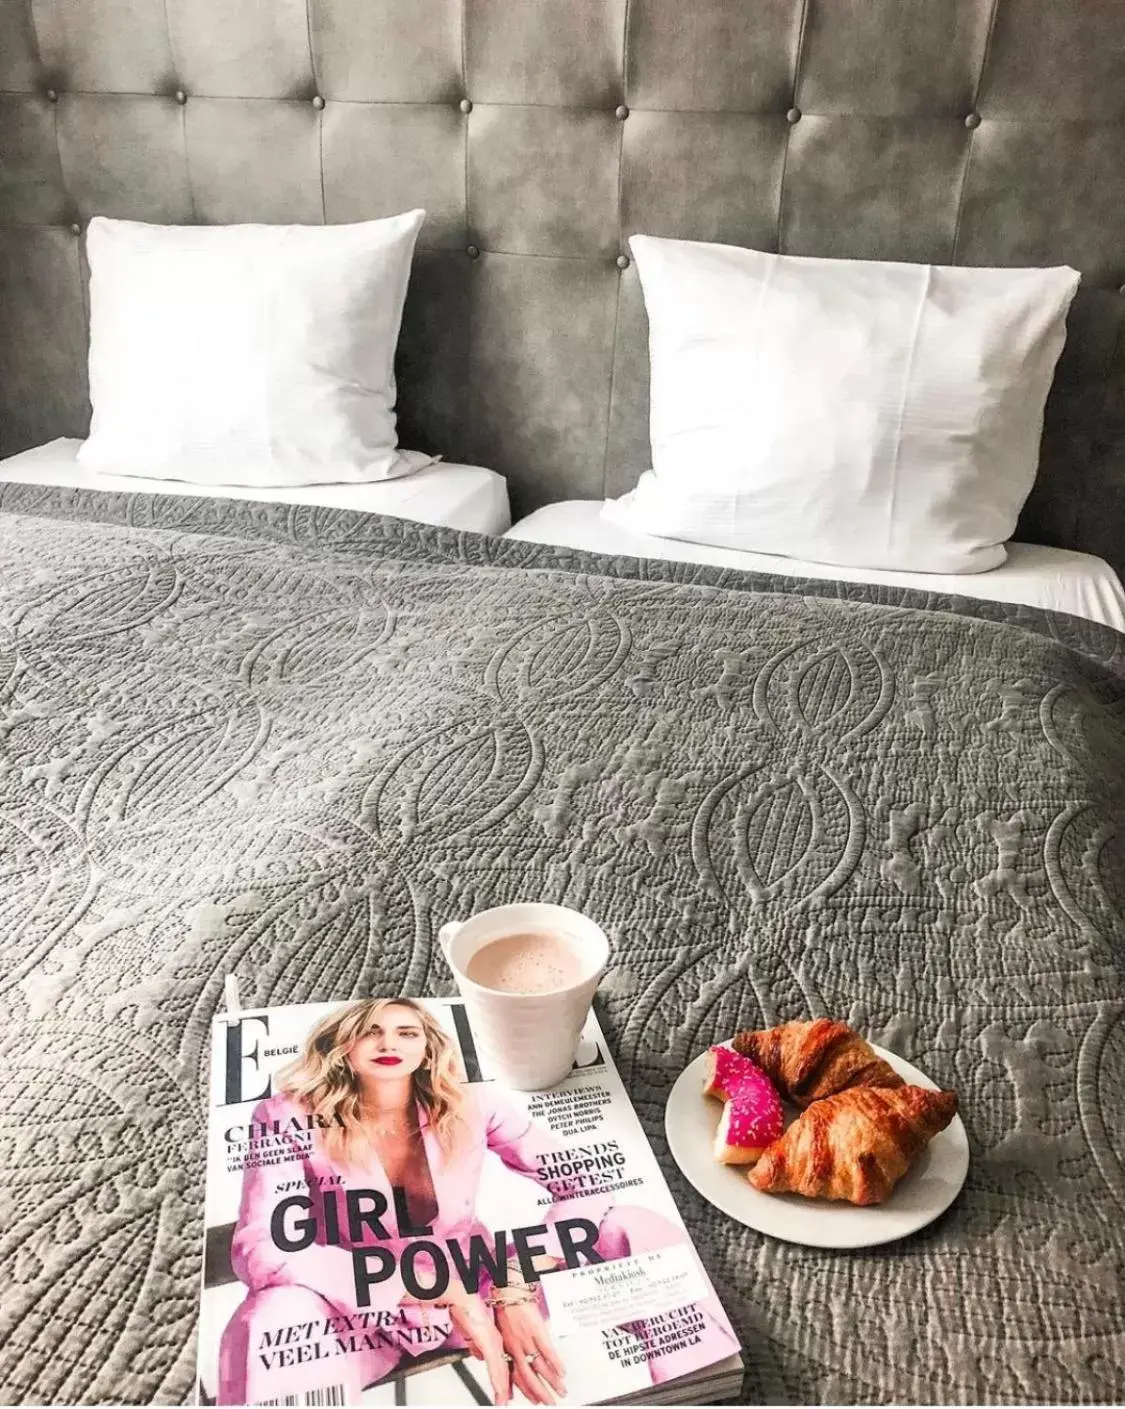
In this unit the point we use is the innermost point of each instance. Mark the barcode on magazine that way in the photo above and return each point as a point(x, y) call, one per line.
point(329, 1394)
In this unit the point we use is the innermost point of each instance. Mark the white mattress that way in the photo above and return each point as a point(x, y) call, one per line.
point(454, 496)
point(1054, 578)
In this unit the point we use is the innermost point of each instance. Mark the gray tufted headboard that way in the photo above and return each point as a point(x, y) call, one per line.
point(539, 134)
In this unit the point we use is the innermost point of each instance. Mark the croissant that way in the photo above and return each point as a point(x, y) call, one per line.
point(807, 1061)
point(854, 1146)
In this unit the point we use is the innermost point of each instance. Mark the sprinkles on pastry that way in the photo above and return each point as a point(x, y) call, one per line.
point(752, 1115)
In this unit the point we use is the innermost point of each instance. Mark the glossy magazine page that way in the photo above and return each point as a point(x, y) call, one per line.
point(386, 1224)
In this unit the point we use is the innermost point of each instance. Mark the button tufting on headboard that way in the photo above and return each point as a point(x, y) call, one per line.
point(947, 131)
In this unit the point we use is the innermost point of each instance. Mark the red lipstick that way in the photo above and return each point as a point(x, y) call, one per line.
point(388, 1061)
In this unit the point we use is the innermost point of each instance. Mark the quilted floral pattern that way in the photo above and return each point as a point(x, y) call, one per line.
point(250, 739)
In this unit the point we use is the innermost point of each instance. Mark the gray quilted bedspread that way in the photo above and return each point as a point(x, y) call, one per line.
point(290, 743)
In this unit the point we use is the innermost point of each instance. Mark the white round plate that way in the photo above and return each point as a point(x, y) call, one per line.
point(927, 1189)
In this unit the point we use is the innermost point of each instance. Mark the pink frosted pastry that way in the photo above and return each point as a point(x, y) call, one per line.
point(752, 1116)
point(746, 1129)
point(727, 1072)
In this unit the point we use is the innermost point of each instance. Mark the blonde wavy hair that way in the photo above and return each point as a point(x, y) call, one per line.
point(323, 1081)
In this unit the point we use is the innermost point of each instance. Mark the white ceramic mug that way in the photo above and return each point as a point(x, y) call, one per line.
point(527, 1040)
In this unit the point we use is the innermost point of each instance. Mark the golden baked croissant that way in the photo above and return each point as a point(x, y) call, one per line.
point(808, 1061)
point(856, 1145)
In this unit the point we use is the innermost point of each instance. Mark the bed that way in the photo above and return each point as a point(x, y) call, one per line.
point(1056, 579)
point(453, 496)
point(783, 793)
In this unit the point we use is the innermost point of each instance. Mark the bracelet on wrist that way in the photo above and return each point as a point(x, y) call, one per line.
point(511, 1296)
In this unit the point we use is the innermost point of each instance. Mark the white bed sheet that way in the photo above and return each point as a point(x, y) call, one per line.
point(1053, 578)
point(453, 496)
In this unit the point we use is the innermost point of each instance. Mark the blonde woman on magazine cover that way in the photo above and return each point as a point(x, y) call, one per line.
point(382, 1079)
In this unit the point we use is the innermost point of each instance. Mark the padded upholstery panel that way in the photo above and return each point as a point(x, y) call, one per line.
point(40, 270)
point(123, 155)
point(540, 354)
point(915, 58)
point(872, 188)
point(540, 134)
point(738, 163)
point(254, 49)
point(564, 53)
point(20, 67)
point(253, 161)
point(382, 51)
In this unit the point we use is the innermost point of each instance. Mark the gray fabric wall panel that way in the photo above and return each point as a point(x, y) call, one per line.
point(1046, 193)
point(1081, 484)
point(123, 155)
point(42, 307)
point(563, 53)
point(737, 161)
point(543, 180)
point(32, 189)
point(382, 158)
point(385, 51)
point(104, 46)
point(434, 408)
point(627, 444)
point(729, 56)
point(908, 58)
point(540, 134)
point(1057, 62)
point(20, 68)
point(872, 188)
point(246, 49)
point(253, 160)
point(540, 356)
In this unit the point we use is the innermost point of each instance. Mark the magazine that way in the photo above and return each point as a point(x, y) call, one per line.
point(388, 1224)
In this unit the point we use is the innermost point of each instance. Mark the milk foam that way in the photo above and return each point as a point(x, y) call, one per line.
point(530, 962)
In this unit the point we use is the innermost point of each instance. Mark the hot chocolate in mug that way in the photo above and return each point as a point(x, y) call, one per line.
point(527, 1039)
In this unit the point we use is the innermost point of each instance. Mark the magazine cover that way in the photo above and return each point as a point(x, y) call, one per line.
point(386, 1224)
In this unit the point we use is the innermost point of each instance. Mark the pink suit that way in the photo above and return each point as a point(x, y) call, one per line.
point(316, 1285)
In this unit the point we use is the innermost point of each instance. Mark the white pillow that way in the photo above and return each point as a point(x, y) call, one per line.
point(878, 415)
point(247, 354)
